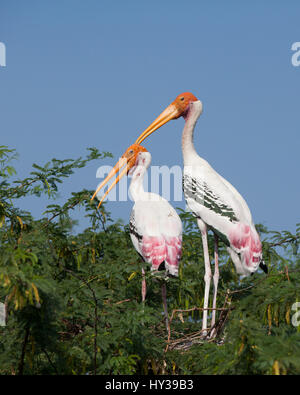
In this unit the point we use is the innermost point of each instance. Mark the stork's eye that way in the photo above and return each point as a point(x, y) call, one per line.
point(182, 98)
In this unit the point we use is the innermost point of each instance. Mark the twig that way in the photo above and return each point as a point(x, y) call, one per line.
point(49, 360)
point(123, 301)
point(25, 341)
point(287, 273)
point(288, 239)
point(71, 206)
point(95, 316)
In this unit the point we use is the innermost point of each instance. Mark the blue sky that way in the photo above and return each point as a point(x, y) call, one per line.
point(96, 73)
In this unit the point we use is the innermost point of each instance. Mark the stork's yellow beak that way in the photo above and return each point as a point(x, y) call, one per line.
point(171, 112)
point(128, 160)
point(118, 166)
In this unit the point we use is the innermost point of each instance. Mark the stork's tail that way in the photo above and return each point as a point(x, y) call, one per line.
point(263, 266)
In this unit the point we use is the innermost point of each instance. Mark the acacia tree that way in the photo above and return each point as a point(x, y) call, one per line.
point(73, 303)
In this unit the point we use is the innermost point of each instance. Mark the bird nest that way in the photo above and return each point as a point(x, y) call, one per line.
point(185, 341)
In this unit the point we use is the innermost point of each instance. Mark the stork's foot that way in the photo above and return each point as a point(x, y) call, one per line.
point(212, 333)
point(209, 333)
point(204, 334)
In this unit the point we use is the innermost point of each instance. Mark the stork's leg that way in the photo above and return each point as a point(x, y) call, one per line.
point(216, 280)
point(207, 276)
point(143, 286)
point(164, 300)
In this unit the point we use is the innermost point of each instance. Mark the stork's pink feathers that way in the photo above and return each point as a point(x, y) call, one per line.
point(158, 249)
point(246, 241)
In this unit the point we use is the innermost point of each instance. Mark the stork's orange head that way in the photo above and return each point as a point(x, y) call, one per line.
point(182, 102)
point(179, 107)
point(131, 154)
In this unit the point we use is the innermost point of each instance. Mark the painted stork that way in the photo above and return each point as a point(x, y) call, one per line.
point(216, 204)
point(155, 227)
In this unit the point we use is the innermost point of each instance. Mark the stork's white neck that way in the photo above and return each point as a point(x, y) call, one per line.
point(188, 149)
point(136, 186)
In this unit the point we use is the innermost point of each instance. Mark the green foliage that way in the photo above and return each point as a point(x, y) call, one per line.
point(74, 301)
